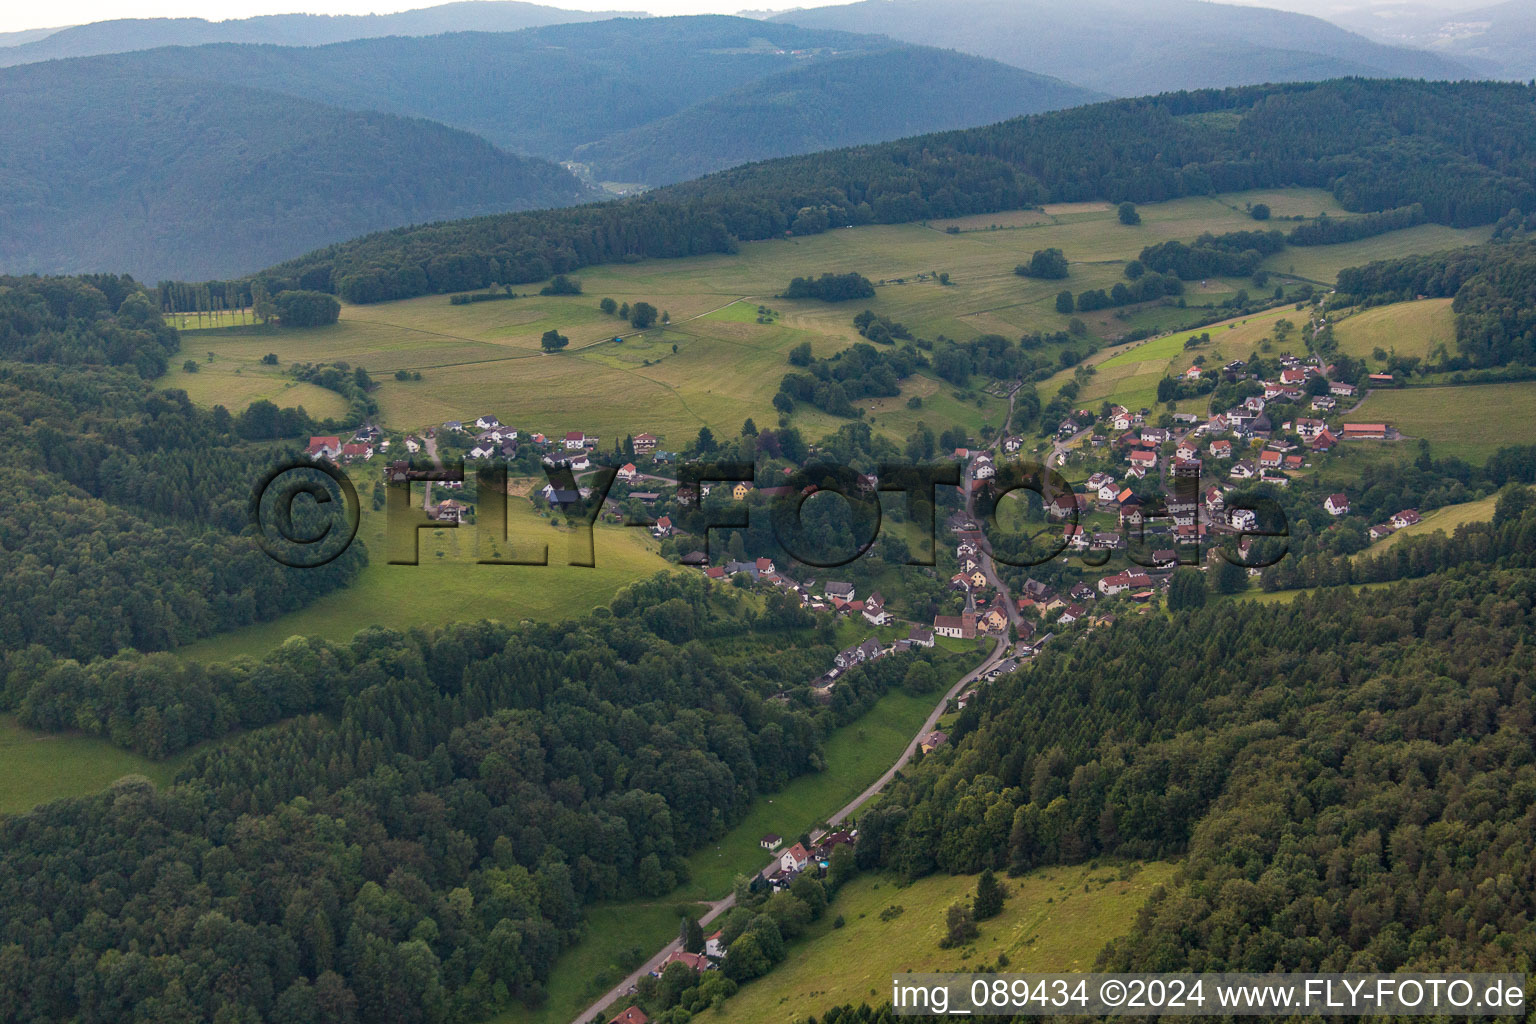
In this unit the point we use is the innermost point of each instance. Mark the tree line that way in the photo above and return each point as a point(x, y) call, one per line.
point(1459, 149)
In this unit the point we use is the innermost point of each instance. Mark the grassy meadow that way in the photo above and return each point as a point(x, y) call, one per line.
point(1055, 919)
point(1407, 328)
point(1129, 376)
point(41, 767)
point(1441, 520)
point(715, 364)
point(619, 937)
point(449, 586)
point(1470, 421)
point(856, 756)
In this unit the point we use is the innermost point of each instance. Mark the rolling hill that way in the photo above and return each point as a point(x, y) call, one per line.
point(184, 179)
point(827, 105)
point(542, 91)
point(112, 191)
point(123, 34)
point(1130, 50)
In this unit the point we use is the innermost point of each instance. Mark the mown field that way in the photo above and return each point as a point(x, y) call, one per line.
point(1056, 919)
point(619, 938)
point(856, 756)
point(42, 767)
point(1406, 328)
point(1470, 421)
point(715, 364)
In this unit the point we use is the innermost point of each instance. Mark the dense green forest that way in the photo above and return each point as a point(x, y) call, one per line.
point(122, 508)
point(1462, 150)
point(424, 851)
point(192, 179)
point(1349, 775)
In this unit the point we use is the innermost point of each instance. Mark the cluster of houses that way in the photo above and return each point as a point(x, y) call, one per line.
point(362, 446)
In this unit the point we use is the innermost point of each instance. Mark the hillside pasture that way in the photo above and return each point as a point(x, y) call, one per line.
point(1440, 520)
point(1055, 919)
point(486, 356)
point(1469, 421)
point(449, 586)
point(1406, 328)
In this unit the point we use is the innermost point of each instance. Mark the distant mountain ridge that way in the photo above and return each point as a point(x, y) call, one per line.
point(201, 180)
point(826, 106)
point(126, 34)
point(734, 90)
point(1131, 50)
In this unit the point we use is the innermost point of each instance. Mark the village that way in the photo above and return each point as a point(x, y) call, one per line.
point(1148, 497)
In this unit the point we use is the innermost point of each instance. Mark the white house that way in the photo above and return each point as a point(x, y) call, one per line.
point(575, 440)
point(874, 609)
point(1337, 504)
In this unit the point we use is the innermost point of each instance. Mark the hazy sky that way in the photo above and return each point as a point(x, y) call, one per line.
point(15, 16)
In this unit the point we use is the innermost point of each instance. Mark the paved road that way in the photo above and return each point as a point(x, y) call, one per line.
point(718, 907)
point(933, 719)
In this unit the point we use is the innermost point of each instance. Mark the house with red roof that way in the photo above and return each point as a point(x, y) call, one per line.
point(323, 447)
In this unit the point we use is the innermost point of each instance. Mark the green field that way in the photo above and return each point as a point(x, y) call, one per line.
point(40, 767)
point(453, 588)
point(1128, 376)
point(1470, 421)
point(237, 385)
point(1056, 919)
point(485, 357)
point(1407, 328)
point(1322, 263)
point(856, 755)
point(614, 932)
point(1441, 520)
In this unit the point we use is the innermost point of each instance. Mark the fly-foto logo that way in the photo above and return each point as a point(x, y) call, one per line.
point(306, 514)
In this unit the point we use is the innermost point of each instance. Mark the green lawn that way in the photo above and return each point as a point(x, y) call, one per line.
point(856, 755)
point(40, 767)
point(1056, 919)
point(1469, 421)
point(1322, 263)
point(1129, 375)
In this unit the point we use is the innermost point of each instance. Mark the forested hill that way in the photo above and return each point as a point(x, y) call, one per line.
point(122, 508)
point(1349, 777)
point(1466, 151)
point(184, 179)
point(841, 102)
point(123, 34)
point(546, 91)
point(1135, 49)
